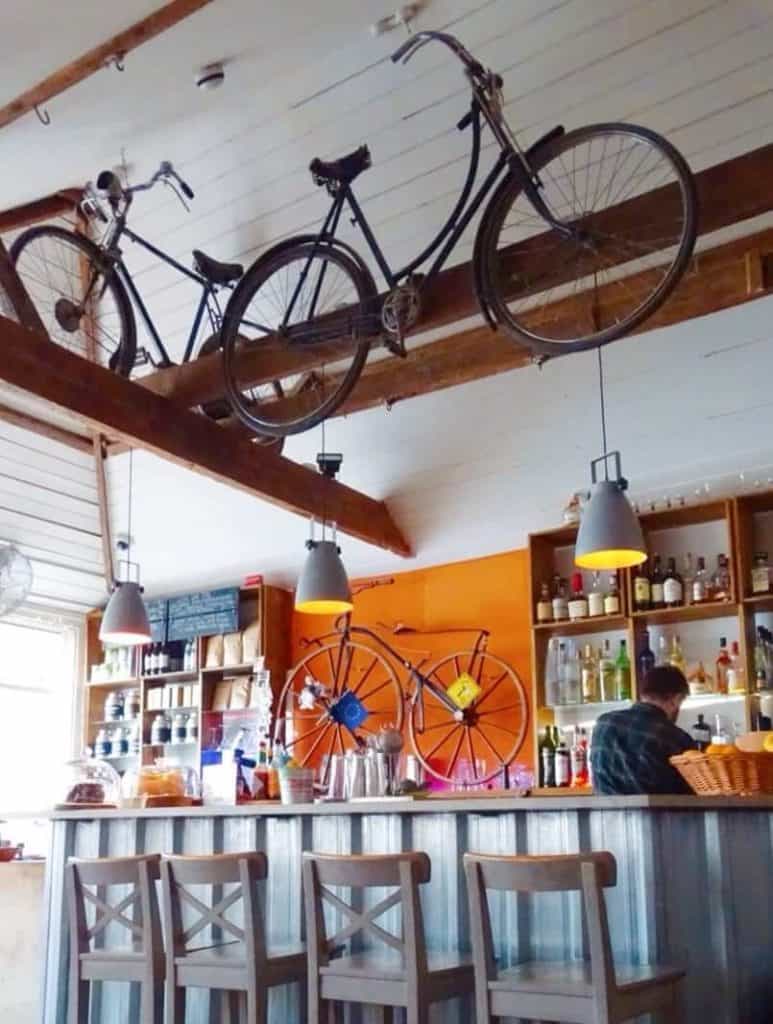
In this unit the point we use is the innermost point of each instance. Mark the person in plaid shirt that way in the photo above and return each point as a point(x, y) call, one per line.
point(631, 748)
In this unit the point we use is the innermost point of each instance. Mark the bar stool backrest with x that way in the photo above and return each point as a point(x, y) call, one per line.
point(94, 917)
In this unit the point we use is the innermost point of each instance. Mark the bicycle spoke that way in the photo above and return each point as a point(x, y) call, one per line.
point(442, 740)
point(498, 711)
point(471, 752)
point(304, 736)
point(370, 693)
point(310, 752)
point(362, 681)
point(493, 688)
point(492, 748)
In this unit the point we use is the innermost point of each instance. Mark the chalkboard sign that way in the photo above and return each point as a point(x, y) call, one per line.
point(203, 614)
point(157, 614)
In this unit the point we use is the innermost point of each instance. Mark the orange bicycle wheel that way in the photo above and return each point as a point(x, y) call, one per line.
point(473, 745)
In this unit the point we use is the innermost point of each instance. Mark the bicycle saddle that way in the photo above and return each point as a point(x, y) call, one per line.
point(214, 270)
point(344, 170)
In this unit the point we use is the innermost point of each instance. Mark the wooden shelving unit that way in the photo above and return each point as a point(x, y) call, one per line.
point(737, 527)
point(268, 606)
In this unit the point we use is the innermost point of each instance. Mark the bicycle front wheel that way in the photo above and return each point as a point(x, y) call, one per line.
point(476, 743)
point(627, 201)
point(309, 298)
point(81, 308)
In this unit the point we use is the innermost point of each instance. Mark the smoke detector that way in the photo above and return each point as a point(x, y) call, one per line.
point(404, 15)
point(211, 76)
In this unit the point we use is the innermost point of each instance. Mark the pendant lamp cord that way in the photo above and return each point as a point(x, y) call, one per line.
point(603, 414)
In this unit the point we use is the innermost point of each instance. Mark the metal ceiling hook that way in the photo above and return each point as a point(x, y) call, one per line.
point(43, 115)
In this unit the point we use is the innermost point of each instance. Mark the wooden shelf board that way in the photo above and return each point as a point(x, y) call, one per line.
point(160, 711)
point(113, 721)
point(687, 515)
point(171, 677)
point(113, 683)
point(687, 613)
point(609, 705)
point(225, 669)
point(597, 624)
point(759, 602)
point(699, 699)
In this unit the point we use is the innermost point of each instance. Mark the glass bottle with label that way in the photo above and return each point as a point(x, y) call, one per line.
point(761, 573)
point(662, 658)
point(688, 578)
point(579, 759)
point(673, 588)
point(657, 598)
point(701, 733)
point(590, 677)
point(547, 751)
point(722, 665)
point(701, 583)
point(553, 689)
point(720, 581)
point(736, 675)
point(700, 681)
point(571, 675)
point(646, 656)
point(612, 596)
point(596, 596)
point(560, 604)
point(623, 673)
point(607, 683)
point(642, 597)
point(676, 655)
point(544, 614)
point(578, 603)
point(563, 763)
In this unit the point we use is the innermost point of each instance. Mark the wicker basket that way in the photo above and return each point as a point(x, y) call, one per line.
point(731, 774)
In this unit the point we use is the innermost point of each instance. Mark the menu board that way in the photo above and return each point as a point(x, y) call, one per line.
point(157, 614)
point(204, 614)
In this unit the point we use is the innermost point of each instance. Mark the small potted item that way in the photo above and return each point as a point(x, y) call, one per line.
point(89, 782)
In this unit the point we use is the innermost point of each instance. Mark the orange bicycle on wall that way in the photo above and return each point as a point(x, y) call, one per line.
point(468, 707)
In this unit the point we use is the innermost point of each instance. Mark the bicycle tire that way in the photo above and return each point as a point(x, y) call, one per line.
point(509, 191)
point(243, 405)
point(125, 350)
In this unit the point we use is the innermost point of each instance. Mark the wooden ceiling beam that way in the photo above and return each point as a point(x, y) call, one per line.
point(47, 208)
point(97, 58)
point(79, 442)
point(727, 275)
point(121, 409)
point(728, 192)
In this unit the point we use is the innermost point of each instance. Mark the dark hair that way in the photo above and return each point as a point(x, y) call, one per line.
point(663, 682)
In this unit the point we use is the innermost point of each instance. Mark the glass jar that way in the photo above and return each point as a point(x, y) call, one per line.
point(90, 781)
point(761, 573)
point(114, 705)
point(159, 731)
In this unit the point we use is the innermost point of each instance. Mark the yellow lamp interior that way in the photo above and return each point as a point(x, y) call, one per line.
point(324, 607)
point(622, 558)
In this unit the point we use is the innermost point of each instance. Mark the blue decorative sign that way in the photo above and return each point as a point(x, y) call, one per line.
point(349, 710)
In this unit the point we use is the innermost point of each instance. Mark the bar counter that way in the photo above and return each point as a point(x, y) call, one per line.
point(694, 883)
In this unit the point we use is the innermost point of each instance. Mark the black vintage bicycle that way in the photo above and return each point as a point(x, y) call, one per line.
point(584, 236)
point(84, 292)
point(468, 713)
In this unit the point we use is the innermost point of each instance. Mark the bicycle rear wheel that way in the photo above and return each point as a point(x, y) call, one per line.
point(473, 746)
point(81, 309)
point(312, 298)
point(628, 199)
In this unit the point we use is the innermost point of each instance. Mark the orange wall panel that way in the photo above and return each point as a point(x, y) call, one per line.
point(491, 592)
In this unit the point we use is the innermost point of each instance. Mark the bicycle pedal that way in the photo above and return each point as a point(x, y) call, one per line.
point(395, 345)
point(142, 358)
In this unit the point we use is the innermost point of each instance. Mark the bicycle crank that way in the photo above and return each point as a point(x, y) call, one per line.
point(68, 315)
point(399, 312)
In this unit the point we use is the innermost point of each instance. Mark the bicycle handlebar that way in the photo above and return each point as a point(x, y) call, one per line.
point(109, 183)
point(411, 46)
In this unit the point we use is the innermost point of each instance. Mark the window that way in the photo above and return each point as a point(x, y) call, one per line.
point(37, 708)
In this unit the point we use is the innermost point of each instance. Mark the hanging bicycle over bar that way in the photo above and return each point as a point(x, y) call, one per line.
point(584, 236)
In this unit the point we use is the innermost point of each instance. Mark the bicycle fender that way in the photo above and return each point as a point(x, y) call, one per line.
point(288, 243)
point(480, 237)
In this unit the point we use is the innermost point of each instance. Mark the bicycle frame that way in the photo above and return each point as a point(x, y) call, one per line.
point(208, 301)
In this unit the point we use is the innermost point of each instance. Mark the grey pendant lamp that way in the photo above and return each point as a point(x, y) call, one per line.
point(125, 621)
point(610, 535)
point(323, 586)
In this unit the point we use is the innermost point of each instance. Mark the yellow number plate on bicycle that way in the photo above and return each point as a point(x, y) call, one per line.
point(463, 691)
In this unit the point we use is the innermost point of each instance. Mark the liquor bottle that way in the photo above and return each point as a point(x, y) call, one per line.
point(657, 598)
point(164, 659)
point(720, 581)
point(548, 759)
point(688, 578)
point(701, 733)
point(721, 735)
point(578, 603)
point(761, 573)
point(646, 656)
point(560, 604)
point(563, 764)
point(673, 588)
point(700, 681)
point(662, 650)
point(623, 673)
point(154, 659)
point(553, 689)
point(596, 596)
point(607, 683)
point(579, 759)
point(736, 676)
point(544, 613)
point(700, 584)
point(147, 652)
point(590, 677)
point(722, 665)
point(676, 656)
point(571, 675)
point(612, 597)
point(761, 660)
point(642, 595)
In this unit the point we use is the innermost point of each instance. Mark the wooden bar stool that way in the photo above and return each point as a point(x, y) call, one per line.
point(405, 975)
point(143, 960)
point(580, 992)
point(239, 964)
